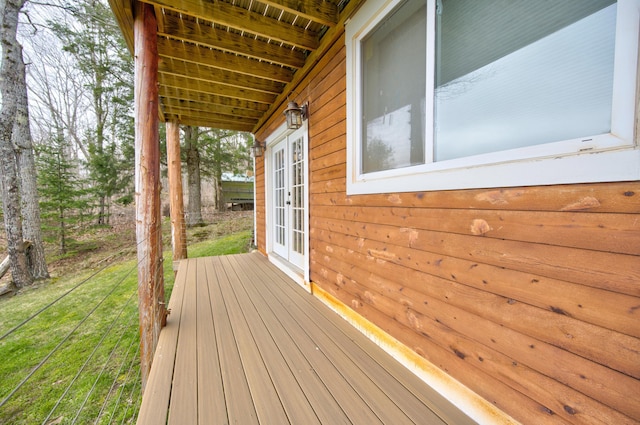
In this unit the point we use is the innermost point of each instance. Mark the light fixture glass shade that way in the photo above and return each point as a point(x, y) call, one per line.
point(257, 149)
point(294, 114)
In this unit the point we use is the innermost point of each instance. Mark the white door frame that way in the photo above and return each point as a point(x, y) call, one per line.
point(301, 276)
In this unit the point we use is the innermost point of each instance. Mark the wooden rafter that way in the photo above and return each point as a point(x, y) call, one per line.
point(218, 122)
point(230, 63)
point(231, 42)
point(202, 108)
point(215, 88)
point(172, 110)
point(202, 54)
point(208, 74)
point(186, 95)
point(323, 12)
point(228, 15)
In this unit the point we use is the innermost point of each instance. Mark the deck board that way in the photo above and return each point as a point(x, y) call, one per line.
point(268, 406)
point(155, 402)
point(255, 348)
point(183, 406)
point(344, 335)
point(285, 382)
point(378, 390)
point(211, 401)
point(294, 343)
point(327, 362)
point(239, 402)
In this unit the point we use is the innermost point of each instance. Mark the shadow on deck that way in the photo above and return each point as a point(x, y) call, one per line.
point(245, 345)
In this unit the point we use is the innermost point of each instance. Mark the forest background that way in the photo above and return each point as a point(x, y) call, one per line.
point(79, 79)
point(69, 334)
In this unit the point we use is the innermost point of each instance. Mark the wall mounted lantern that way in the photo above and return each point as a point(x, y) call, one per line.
point(257, 149)
point(295, 115)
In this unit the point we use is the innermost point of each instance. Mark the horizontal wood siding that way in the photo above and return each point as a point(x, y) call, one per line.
point(529, 296)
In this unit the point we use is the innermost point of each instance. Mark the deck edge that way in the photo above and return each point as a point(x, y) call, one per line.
point(160, 381)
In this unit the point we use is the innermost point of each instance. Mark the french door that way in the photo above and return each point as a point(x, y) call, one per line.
point(289, 211)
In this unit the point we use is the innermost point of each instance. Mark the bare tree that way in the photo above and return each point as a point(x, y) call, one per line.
point(91, 37)
point(59, 93)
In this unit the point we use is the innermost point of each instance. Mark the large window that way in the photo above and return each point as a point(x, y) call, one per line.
point(393, 54)
point(486, 93)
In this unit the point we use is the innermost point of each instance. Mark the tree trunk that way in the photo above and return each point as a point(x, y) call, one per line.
point(30, 206)
point(217, 176)
point(11, 57)
point(63, 231)
point(98, 103)
point(218, 197)
point(194, 209)
point(4, 265)
point(101, 210)
point(174, 169)
point(151, 299)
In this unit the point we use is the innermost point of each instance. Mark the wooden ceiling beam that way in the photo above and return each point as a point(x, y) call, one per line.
point(227, 125)
point(196, 96)
point(170, 48)
point(170, 104)
point(203, 116)
point(214, 88)
point(244, 20)
point(224, 65)
point(202, 72)
point(323, 12)
point(158, 12)
point(209, 36)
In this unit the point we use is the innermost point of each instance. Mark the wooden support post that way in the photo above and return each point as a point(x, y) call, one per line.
point(178, 227)
point(151, 301)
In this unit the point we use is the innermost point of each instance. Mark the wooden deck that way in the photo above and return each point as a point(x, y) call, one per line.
point(245, 345)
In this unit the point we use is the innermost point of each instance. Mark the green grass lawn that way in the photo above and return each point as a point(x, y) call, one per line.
point(78, 360)
point(231, 244)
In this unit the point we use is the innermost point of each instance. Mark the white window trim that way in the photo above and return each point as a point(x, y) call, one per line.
point(598, 158)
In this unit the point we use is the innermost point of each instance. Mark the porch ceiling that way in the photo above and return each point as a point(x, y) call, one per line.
point(230, 64)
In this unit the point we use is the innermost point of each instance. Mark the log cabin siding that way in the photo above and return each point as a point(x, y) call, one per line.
point(528, 296)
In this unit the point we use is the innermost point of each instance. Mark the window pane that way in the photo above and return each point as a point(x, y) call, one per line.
point(513, 74)
point(393, 86)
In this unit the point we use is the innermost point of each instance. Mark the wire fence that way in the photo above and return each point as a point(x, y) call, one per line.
point(75, 359)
